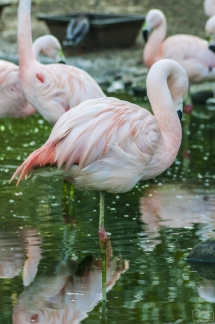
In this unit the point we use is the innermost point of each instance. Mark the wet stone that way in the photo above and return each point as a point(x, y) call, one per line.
point(203, 252)
point(139, 91)
point(202, 96)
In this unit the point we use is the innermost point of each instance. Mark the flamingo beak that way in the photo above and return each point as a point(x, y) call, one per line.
point(60, 58)
point(145, 32)
point(179, 112)
point(211, 44)
point(212, 48)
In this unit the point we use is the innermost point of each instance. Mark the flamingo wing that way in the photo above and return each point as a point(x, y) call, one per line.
point(54, 89)
point(102, 144)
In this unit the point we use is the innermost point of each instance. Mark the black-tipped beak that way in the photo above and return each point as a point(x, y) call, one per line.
point(179, 112)
point(145, 34)
point(212, 48)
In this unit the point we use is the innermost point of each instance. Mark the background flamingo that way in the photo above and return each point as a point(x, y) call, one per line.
point(51, 89)
point(12, 100)
point(190, 51)
point(210, 32)
point(209, 8)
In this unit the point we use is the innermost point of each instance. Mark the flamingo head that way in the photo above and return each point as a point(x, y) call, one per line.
point(210, 32)
point(49, 46)
point(154, 19)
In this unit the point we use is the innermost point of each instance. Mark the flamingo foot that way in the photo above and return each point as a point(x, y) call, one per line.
point(103, 237)
point(187, 109)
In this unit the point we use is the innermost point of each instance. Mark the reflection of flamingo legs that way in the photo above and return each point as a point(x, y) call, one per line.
point(103, 240)
point(185, 143)
point(68, 205)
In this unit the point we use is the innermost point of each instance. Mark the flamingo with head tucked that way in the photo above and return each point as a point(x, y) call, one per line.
point(52, 89)
point(12, 100)
point(190, 51)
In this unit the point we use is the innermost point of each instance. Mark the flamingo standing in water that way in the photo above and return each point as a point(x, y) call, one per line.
point(52, 89)
point(12, 100)
point(109, 145)
point(190, 51)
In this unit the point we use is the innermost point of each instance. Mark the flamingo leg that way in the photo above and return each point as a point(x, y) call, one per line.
point(188, 104)
point(185, 144)
point(103, 242)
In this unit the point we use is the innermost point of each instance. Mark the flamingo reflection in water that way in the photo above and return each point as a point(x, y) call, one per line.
point(13, 254)
point(67, 292)
point(173, 206)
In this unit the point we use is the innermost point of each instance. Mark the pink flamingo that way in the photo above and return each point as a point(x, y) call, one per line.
point(12, 100)
point(209, 7)
point(52, 89)
point(109, 145)
point(190, 51)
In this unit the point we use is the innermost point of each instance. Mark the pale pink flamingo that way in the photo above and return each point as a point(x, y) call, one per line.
point(52, 89)
point(12, 100)
point(109, 145)
point(209, 7)
point(190, 51)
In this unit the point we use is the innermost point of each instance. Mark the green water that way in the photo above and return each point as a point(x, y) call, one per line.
point(50, 270)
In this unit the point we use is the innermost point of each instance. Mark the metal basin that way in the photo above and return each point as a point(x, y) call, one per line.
point(2, 5)
point(106, 30)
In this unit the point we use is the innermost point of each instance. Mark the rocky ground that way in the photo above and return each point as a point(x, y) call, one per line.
point(115, 67)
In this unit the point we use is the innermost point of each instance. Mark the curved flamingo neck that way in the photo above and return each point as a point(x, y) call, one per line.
point(152, 50)
point(37, 48)
point(25, 51)
point(164, 95)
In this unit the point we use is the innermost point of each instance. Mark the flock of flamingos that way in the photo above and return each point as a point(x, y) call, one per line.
point(101, 143)
point(97, 142)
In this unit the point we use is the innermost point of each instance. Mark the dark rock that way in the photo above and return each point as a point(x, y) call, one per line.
point(118, 76)
point(205, 270)
point(202, 96)
point(203, 252)
point(139, 91)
